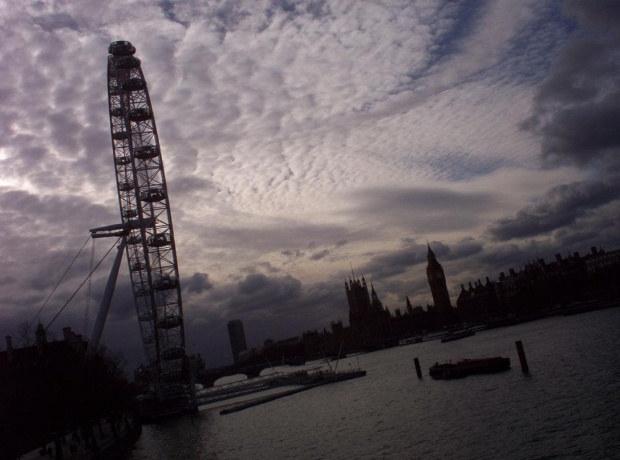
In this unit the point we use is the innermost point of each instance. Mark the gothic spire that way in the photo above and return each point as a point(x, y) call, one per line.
point(430, 254)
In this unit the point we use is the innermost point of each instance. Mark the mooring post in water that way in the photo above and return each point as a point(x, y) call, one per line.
point(418, 371)
point(524, 368)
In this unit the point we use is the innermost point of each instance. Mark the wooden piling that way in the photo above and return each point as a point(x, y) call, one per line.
point(418, 370)
point(524, 367)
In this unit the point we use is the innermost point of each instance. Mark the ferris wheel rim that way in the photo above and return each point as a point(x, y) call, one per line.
point(143, 199)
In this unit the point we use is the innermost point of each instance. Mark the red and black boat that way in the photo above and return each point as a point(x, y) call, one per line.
point(469, 367)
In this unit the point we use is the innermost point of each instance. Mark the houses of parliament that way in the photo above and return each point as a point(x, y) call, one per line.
point(539, 289)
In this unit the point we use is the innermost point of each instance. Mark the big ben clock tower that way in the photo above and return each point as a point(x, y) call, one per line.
point(439, 289)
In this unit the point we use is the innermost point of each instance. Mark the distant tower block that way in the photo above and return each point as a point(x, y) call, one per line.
point(439, 288)
point(237, 338)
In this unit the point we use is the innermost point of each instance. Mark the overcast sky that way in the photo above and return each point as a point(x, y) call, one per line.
point(301, 137)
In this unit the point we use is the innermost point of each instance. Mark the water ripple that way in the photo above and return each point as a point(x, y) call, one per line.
point(566, 408)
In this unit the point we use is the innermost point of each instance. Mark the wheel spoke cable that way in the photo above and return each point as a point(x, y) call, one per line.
point(58, 284)
point(82, 284)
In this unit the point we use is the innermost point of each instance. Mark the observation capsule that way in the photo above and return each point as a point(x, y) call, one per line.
point(165, 283)
point(134, 239)
point(145, 316)
point(125, 186)
point(146, 152)
point(121, 48)
point(137, 266)
point(128, 63)
point(172, 376)
point(140, 114)
point(122, 160)
point(159, 240)
point(169, 322)
point(173, 353)
point(142, 290)
point(152, 195)
point(120, 135)
point(129, 213)
point(133, 84)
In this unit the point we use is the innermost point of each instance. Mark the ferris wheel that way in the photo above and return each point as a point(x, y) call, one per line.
point(146, 218)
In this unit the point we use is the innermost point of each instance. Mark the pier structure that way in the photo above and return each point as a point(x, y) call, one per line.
point(239, 388)
point(305, 377)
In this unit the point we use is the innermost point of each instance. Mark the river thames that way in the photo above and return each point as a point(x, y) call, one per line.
point(567, 407)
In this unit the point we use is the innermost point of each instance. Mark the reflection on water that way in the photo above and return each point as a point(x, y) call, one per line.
point(566, 407)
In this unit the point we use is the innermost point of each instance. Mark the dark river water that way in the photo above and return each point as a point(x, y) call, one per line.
point(567, 407)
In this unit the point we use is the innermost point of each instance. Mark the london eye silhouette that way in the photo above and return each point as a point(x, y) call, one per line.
point(146, 228)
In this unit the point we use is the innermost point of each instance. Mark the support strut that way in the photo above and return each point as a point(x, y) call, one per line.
point(104, 307)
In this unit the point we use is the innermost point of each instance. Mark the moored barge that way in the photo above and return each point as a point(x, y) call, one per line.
point(469, 367)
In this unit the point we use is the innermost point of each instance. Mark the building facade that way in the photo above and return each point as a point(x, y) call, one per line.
point(478, 304)
point(541, 287)
point(370, 322)
point(236, 334)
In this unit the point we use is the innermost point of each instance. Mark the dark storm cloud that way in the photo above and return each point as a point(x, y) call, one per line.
point(599, 227)
point(318, 8)
point(465, 248)
point(27, 154)
point(51, 22)
point(252, 283)
point(320, 255)
point(312, 246)
point(595, 13)
point(577, 110)
point(59, 109)
point(584, 132)
point(421, 210)
point(501, 258)
point(401, 288)
point(45, 234)
point(253, 102)
point(20, 207)
point(282, 235)
point(189, 184)
point(560, 206)
point(45, 273)
point(268, 295)
point(123, 304)
point(277, 308)
point(64, 127)
point(167, 7)
point(260, 267)
point(460, 166)
point(258, 292)
point(4, 280)
point(572, 237)
point(269, 302)
point(293, 253)
point(393, 263)
point(198, 283)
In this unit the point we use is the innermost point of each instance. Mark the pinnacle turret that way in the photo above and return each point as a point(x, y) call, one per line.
point(430, 254)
